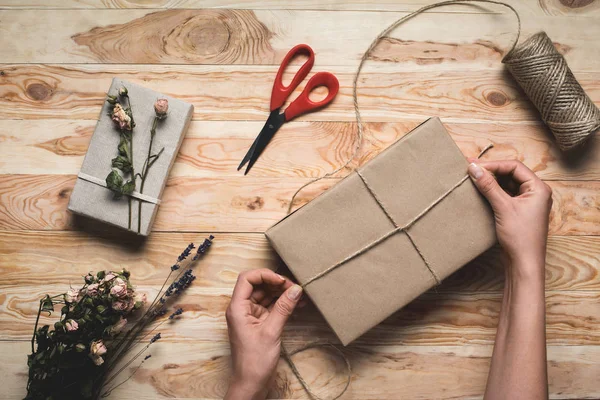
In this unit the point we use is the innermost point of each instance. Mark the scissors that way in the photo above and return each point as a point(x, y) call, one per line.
point(301, 105)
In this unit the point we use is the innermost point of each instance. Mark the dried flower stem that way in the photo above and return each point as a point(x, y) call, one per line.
point(150, 159)
point(109, 391)
point(129, 340)
point(131, 158)
point(129, 204)
point(127, 364)
point(37, 320)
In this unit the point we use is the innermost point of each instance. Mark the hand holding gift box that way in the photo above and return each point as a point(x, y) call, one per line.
point(388, 232)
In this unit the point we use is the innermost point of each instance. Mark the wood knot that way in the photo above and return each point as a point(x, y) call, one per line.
point(255, 204)
point(38, 91)
point(202, 36)
point(209, 37)
point(576, 3)
point(64, 193)
point(249, 203)
point(2, 73)
point(497, 99)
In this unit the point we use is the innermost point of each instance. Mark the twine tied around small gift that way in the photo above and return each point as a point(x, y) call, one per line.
point(546, 79)
point(102, 182)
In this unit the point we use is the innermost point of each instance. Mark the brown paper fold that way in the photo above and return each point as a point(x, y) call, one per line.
point(392, 189)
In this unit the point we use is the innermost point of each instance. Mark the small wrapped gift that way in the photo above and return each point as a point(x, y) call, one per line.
point(92, 198)
point(386, 233)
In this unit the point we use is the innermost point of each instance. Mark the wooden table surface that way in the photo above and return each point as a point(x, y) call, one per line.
point(57, 60)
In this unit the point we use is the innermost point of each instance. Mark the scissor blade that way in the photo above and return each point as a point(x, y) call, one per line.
point(264, 137)
point(248, 155)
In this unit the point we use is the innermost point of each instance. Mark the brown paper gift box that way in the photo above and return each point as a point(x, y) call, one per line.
point(409, 178)
point(91, 198)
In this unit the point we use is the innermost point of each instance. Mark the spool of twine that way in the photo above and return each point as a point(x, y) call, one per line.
point(543, 74)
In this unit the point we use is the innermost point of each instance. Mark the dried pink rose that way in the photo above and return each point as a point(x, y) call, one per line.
point(71, 325)
point(109, 277)
point(72, 296)
point(92, 290)
point(97, 350)
point(120, 305)
point(119, 288)
point(140, 300)
point(130, 304)
point(89, 278)
point(161, 107)
point(120, 118)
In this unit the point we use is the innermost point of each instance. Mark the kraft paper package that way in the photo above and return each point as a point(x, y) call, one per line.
point(348, 247)
point(91, 198)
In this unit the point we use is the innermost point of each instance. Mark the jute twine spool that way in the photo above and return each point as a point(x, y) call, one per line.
point(545, 77)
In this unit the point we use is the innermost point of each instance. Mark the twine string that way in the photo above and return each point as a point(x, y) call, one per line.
point(288, 358)
point(397, 228)
point(102, 182)
point(364, 58)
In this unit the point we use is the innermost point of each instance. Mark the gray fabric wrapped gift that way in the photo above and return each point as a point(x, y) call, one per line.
point(90, 196)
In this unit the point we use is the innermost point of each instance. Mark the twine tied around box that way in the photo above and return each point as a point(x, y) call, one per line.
point(546, 79)
point(134, 194)
point(397, 229)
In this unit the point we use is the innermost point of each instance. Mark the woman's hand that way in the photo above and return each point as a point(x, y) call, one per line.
point(518, 368)
point(522, 219)
point(255, 325)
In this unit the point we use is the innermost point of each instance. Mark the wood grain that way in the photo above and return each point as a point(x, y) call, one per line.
point(535, 7)
point(433, 319)
point(572, 263)
point(379, 372)
point(238, 204)
point(302, 149)
point(59, 56)
point(78, 91)
point(224, 36)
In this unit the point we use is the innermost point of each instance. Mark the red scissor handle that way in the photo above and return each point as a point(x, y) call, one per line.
point(304, 104)
point(280, 93)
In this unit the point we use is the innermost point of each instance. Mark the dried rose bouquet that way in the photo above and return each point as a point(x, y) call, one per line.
point(84, 353)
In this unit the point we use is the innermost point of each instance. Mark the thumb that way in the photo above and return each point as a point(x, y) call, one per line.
point(487, 185)
point(283, 308)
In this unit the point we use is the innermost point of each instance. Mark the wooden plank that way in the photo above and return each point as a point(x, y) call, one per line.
point(306, 149)
point(223, 36)
point(378, 372)
point(535, 7)
point(435, 318)
point(78, 91)
point(237, 204)
point(573, 263)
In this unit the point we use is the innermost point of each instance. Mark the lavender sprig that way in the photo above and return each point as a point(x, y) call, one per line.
point(157, 307)
point(203, 247)
point(177, 312)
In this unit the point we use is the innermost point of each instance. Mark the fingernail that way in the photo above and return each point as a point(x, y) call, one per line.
point(295, 292)
point(281, 277)
point(475, 171)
